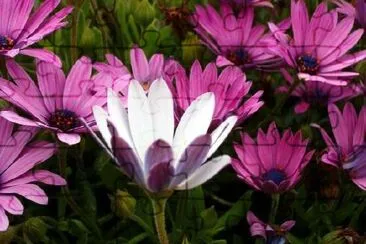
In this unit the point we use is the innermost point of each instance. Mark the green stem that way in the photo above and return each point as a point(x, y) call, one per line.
point(142, 223)
point(274, 206)
point(62, 157)
point(159, 218)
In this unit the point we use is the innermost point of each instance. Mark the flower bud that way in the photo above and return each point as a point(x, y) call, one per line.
point(144, 12)
point(123, 204)
point(35, 229)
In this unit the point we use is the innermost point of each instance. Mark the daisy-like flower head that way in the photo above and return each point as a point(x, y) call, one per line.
point(146, 147)
point(249, 3)
point(18, 158)
point(20, 28)
point(358, 11)
point(143, 70)
point(319, 47)
point(349, 149)
point(271, 233)
point(57, 103)
point(234, 39)
point(230, 87)
point(314, 93)
point(273, 164)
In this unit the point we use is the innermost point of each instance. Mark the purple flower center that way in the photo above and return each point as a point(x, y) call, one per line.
point(238, 56)
point(275, 175)
point(307, 64)
point(6, 43)
point(64, 120)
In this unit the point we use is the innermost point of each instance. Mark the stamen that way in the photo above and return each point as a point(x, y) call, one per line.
point(6, 43)
point(64, 120)
point(307, 64)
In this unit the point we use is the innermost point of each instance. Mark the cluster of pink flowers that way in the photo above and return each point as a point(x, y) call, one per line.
point(162, 123)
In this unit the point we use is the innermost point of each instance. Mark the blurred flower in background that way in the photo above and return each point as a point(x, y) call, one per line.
point(20, 28)
point(230, 87)
point(19, 157)
point(234, 38)
point(319, 46)
point(58, 102)
point(358, 11)
point(272, 164)
point(271, 233)
point(349, 149)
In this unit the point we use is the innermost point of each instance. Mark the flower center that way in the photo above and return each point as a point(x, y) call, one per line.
point(275, 175)
point(238, 56)
point(64, 120)
point(6, 43)
point(276, 239)
point(307, 64)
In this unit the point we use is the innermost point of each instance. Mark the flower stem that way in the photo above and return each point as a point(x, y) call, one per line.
point(62, 157)
point(274, 206)
point(159, 218)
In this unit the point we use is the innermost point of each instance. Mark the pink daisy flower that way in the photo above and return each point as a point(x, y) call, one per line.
point(273, 164)
point(143, 70)
point(270, 233)
point(349, 149)
point(234, 39)
point(358, 11)
point(319, 47)
point(19, 157)
point(20, 28)
point(314, 93)
point(230, 88)
point(57, 102)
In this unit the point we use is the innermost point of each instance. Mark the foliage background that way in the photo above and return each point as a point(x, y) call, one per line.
point(324, 202)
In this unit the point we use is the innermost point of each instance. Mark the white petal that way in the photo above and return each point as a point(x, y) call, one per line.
point(194, 122)
point(140, 119)
point(118, 116)
point(162, 110)
point(220, 134)
point(205, 172)
point(101, 117)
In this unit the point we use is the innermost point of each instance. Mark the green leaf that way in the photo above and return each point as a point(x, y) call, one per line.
point(235, 213)
point(209, 217)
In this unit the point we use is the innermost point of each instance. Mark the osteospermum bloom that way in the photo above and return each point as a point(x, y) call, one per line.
point(249, 3)
point(272, 164)
point(57, 103)
point(19, 157)
point(349, 149)
point(146, 147)
point(319, 47)
point(314, 93)
point(271, 233)
point(20, 28)
point(358, 11)
point(234, 39)
point(230, 88)
point(143, 70)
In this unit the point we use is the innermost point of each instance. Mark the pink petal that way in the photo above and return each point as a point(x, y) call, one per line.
point(69, 138)
point(44, 55)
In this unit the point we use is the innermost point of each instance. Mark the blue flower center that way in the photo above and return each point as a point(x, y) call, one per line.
point(64, 120)
point(275, 175)
point(307, 64)
point(6, 43)
point(276, 239)
point(238, 56)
